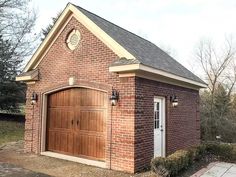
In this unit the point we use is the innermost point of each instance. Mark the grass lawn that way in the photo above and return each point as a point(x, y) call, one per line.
point(11, 131)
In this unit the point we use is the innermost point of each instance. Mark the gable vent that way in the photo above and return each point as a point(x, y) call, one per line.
point(73, 39)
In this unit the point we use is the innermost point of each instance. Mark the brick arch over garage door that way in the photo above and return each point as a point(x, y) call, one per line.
point(76, 123)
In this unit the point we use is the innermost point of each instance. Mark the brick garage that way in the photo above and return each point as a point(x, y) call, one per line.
point(108, 57)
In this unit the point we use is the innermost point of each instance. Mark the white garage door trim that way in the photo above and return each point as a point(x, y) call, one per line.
point(75, 159)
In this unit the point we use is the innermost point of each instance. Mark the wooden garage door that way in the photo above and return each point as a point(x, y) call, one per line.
point(76, 123)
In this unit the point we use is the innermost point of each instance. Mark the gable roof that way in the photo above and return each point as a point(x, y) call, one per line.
point(144, 51)
point(131, 48)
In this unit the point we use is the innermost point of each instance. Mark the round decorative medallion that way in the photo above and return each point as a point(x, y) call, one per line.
point(73, 39)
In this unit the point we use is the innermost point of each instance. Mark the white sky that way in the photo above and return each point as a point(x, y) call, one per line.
point(174, 24)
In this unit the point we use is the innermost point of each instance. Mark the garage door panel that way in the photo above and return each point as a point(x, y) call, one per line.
point(71, 143)
point(76, 144)
point(51, 140)
point(62, 98)
point(57, 141)
point(91, 146)
point(60, 118)
point(66, 119)
point(75, 97)
point(60, 141)
point(51, 115)
point(76, 123)
point(64, 142)
point(100, 144)
point(57, 119)
point(92, 98)
point(92, 120)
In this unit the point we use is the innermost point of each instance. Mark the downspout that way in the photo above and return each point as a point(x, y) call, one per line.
point(111, 136)
point(32, 127)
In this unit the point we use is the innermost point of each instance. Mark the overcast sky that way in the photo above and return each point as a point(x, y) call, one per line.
point(177, 25)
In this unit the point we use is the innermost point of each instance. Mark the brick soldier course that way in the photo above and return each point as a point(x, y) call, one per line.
point(129, 127)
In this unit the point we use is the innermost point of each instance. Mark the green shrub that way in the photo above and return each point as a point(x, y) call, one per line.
point(182, 159)
point(200, 151)
point(225, 152)
point(175, 162)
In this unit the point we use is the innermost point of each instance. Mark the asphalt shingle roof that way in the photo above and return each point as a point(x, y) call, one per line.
point(144, 51)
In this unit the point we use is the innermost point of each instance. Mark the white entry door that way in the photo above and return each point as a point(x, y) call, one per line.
point(159, 127)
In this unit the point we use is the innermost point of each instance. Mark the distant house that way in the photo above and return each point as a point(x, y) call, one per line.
point(101, 95)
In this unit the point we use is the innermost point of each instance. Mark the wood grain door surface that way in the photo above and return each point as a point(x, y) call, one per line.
point(76, 123)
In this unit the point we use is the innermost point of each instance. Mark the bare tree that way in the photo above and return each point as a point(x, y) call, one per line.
point(17, 41)
point(219, 70)
point(230, 78)
point(17, 20)
point(213, 63)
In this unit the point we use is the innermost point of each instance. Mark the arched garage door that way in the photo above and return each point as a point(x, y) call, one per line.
point(76, 123)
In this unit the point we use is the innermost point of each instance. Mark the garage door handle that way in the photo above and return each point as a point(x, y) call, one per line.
point(77, 122)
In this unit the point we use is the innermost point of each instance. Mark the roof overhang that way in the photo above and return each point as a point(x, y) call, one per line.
point(141, 70)
point(28, 76)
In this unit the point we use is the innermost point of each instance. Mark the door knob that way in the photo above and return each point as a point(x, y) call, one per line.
point(161, 130)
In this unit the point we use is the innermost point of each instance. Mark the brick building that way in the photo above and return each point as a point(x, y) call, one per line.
point(83, 62)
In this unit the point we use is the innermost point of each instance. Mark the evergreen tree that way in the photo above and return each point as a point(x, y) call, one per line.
point(221, 112)
point(49, 27)
point(223, 122)
point(11, 92)
point(221, 103)
point(205, 111)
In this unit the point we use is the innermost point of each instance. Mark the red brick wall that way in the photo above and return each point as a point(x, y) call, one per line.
point(182, 122)
point(89, 65)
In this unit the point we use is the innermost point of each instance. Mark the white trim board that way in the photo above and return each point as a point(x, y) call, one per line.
point(75, 159)
point(23, 78)
point(141, 67)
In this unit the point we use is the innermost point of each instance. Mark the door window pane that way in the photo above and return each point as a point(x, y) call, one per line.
point(156, 115)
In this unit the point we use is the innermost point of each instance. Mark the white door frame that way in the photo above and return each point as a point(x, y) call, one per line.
point(162, 101)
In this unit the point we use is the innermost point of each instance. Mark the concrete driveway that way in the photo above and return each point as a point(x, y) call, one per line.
point(9, 170)
point(12, 153)
point(217, 169)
